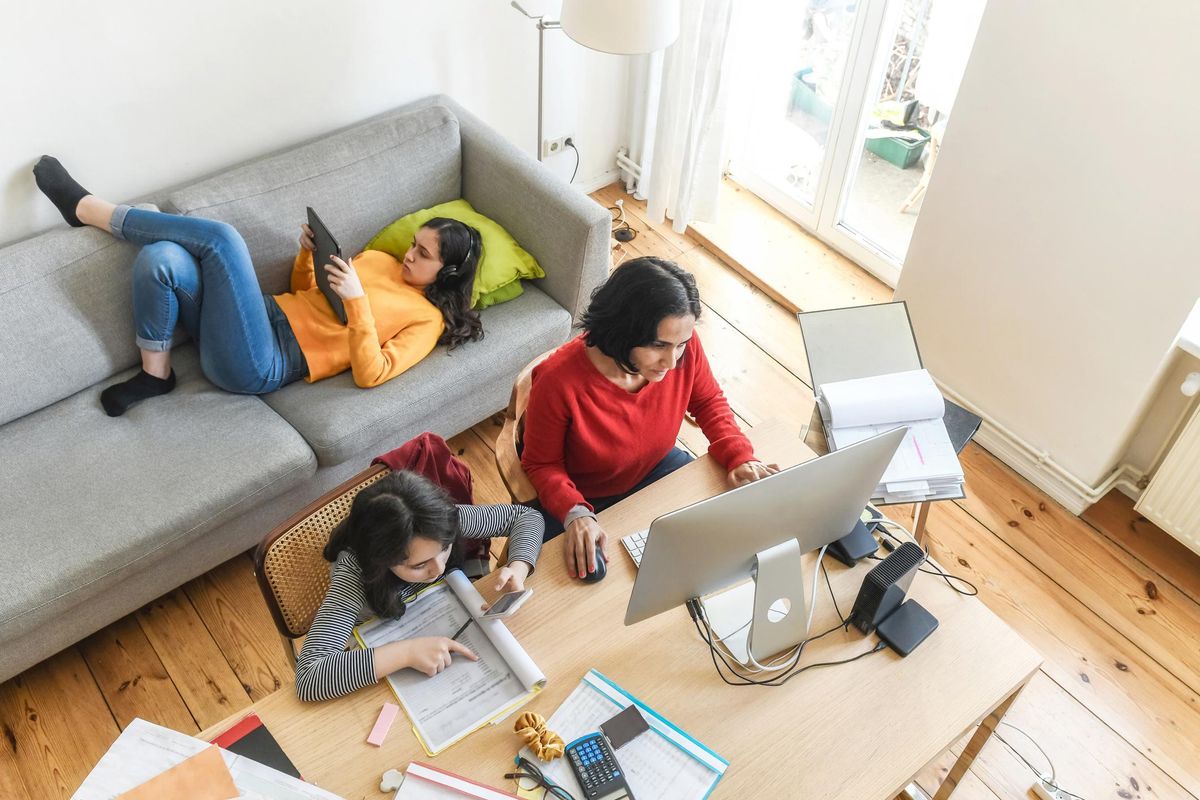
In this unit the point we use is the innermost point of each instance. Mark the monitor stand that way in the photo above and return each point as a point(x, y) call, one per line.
point(767, 615)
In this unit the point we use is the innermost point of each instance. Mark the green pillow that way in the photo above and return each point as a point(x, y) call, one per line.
point(502, 265)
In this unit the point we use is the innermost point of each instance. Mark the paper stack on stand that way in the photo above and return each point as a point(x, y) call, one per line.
point(925, 466)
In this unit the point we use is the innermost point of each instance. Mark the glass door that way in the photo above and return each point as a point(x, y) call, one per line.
point(844, 105)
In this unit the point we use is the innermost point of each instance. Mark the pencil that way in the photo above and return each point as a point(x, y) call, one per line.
point(459, 632)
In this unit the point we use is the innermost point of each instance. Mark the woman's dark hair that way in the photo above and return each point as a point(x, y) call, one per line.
point(384, 518)
point(460, 246)
point(625, 310)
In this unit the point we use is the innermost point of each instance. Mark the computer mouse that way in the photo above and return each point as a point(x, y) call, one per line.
point(601, 570)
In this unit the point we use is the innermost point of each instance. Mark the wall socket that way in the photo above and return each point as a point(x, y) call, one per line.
point(552, 147)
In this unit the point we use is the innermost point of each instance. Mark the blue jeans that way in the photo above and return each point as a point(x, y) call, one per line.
point(670, 462)
point(197, 273)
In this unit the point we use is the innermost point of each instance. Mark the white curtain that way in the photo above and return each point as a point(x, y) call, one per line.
point(677, 117)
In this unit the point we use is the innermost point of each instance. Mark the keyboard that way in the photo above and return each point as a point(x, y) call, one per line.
point(635, 544)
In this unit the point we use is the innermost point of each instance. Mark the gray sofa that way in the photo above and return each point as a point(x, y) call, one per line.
point(100, 515)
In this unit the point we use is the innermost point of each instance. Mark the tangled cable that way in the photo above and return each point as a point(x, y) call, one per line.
point(545, 744)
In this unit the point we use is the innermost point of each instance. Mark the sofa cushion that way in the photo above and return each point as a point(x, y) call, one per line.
point(101, 499)
point(358, 180)
point(502, 264)
point(339, 420)
point(68, 320)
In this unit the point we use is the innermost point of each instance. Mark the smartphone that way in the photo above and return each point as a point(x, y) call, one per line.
point(506, 605)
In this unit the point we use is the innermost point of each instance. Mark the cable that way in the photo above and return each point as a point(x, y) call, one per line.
point(622, 231)
point(1052, 782)
point(832, 596)
point(571, 144)
point(884, 523)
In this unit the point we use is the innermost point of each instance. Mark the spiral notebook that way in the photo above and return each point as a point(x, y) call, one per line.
point(468, 694)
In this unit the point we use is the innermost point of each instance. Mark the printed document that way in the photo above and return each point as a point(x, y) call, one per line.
point(663, 763)
point(467, 694)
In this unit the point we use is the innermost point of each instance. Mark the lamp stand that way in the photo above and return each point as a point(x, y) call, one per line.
point(542, 26)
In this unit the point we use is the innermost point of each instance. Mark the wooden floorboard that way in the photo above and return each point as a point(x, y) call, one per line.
point(1154, 615)
point(1141, 539)
point(132, 678)
point(230, 604)
point(57, 725)
point(1110, 601)
point(192, 658)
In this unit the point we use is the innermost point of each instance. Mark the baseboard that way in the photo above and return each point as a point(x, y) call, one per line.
point(598, 182)
point(1066, 488)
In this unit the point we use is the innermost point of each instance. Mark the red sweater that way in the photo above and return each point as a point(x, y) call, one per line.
point(587, 437)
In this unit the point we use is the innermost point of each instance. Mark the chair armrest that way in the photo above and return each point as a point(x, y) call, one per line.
point(565, 230)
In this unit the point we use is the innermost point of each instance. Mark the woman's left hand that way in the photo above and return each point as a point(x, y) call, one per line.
point(344, 279)
point(750, 472)
point(510, 578)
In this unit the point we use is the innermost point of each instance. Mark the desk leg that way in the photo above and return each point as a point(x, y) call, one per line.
point(919, 523)
point(982, 734)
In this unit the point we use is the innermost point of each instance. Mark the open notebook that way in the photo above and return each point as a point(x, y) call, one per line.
point(468, 694)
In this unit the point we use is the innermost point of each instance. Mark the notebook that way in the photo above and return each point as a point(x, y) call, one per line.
point(468, 694)
point(665, 763)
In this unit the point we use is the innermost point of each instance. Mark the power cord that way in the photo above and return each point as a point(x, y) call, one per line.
point(883, 523)
point(571, 144)
point(1049, 782)
point(621, 229)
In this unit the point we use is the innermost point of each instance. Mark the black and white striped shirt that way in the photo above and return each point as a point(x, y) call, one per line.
point(325, 669)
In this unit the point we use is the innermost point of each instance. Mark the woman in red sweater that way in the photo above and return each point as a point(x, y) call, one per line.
point(605, 408)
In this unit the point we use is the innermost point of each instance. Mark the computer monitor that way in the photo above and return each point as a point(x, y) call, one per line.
point(715, 543)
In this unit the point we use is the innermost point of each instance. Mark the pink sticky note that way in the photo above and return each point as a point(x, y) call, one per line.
point(386, 715)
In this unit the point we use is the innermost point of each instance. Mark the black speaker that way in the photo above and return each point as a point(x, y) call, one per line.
point(884, 587)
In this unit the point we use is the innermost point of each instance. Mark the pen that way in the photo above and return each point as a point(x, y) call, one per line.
point(459, 632)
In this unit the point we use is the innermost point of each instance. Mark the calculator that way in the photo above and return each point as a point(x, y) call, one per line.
point(596, 768)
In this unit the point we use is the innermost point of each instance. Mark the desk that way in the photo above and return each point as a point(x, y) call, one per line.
point(857, 731)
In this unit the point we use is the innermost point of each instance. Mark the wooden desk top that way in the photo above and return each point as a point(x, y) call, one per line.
point(858, 731)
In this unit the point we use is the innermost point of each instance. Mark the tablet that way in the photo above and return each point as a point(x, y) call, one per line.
point(326, 246)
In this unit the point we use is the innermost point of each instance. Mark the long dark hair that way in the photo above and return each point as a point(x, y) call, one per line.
point(384, 518)
point(460, 247)
point(625, 310)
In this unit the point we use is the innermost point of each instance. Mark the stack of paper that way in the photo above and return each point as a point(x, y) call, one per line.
point(468, 694)
point(166, 765)
point(925, 466)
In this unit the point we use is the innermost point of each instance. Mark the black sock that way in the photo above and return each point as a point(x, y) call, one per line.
point(57, 184)
point(117, 398)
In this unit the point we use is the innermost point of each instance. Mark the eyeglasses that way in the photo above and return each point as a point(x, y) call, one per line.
point(530, 778)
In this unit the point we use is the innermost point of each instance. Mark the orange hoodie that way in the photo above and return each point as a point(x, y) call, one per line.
point(388, 330)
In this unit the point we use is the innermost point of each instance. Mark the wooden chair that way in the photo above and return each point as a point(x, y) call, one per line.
point(511, 434)
point(291, 570)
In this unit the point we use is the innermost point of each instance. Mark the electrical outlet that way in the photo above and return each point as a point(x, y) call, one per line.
point(556, 145)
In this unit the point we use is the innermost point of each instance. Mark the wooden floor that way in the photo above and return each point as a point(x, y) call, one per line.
point(1109, 600)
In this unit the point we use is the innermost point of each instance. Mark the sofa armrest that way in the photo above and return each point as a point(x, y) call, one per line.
point(566, 231)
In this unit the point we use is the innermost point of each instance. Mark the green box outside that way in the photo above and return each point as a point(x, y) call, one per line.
point(901, 152)
point(807, 100)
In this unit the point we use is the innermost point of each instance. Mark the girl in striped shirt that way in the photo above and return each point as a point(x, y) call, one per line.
point(403, 534)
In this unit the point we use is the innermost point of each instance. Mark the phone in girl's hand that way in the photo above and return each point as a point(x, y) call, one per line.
point(507, 604)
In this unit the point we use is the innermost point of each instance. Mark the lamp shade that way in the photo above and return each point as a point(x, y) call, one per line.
point(624, 27)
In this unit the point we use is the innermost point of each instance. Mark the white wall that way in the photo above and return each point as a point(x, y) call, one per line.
point(1055, 257)
point(137, 96)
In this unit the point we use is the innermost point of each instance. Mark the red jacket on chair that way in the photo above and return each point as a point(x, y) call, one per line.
point(429, 455)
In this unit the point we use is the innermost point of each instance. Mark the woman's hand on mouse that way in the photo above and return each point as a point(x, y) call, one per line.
point(344, 279)
point(750, 472)
point(585, 542)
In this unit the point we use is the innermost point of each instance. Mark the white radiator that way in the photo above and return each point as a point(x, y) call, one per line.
point(1172, 500)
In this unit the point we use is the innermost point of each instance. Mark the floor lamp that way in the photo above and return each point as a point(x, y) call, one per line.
point(621, 27)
